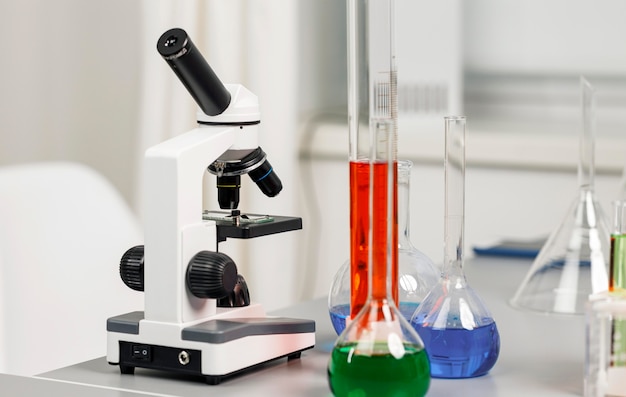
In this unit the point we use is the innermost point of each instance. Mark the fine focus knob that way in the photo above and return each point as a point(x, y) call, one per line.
point(131, 268)
point(238, 297)
point(211, 275)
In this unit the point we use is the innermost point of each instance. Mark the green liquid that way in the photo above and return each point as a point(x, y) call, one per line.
point(618, 262)
point(351, 374)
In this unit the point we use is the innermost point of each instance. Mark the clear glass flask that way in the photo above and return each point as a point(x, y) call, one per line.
point(573, 262)
point(459, 332)
point(378, 353)
point(417, 273)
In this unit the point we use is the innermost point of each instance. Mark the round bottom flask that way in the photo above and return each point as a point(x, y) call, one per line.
point(417, 273)
point(459, 333)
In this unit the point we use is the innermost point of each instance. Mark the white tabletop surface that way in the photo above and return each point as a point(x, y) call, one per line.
point(540, 356)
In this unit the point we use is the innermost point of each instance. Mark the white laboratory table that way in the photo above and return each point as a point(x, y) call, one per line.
point(540, 355)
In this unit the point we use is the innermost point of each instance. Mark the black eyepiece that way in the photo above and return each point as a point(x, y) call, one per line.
point(194, 72)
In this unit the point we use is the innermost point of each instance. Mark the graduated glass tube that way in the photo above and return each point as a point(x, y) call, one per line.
point(573, 263)
point(457, 329)
point(417, 273)
point(378, 353)
point(372, 95)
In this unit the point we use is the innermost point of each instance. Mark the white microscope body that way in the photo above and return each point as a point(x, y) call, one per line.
point(182, 329)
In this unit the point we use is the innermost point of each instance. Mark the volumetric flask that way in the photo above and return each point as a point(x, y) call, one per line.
point(457, 329)
point(416, 271)
point(573, 263)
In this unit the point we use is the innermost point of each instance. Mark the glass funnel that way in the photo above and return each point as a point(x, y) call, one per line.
point(459, 333)
point(573, 262)
point(417, 273)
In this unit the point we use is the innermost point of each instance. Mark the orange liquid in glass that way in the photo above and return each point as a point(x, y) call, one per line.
point(359, 230)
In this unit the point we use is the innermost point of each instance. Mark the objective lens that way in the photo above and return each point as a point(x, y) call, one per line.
point(266, 179)
point(228, 191)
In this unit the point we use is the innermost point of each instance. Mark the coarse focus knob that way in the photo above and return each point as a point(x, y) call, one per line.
point(131, 268)
point(211, 275)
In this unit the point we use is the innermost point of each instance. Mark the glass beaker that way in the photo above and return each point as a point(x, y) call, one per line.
point(460, 335)
point(417, 273)
point(573, 263)
point(378, 353)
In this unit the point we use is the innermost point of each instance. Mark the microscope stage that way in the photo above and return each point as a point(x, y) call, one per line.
point(251, 225)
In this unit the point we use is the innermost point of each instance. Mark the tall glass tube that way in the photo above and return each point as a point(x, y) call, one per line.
point(372, 99)
point(458, 331)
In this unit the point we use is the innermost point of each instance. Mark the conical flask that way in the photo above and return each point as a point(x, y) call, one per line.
point(573, 263)
point(460, 335)
point(417, 273)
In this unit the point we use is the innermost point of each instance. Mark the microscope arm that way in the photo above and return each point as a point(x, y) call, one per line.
point(174, 229)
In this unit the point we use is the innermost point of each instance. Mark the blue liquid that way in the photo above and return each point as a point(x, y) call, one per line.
point(339, 313)
point(460, 353)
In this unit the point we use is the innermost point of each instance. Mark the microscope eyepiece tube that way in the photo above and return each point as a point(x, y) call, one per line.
point(176, 47)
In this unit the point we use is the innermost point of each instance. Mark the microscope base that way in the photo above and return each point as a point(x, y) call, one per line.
point(214, 349)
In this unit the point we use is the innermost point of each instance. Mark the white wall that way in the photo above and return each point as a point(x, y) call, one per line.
point(70, 84)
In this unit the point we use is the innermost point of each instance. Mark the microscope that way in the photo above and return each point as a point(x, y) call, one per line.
point(198, 318)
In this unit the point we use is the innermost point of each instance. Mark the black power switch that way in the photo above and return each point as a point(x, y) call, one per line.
point(141, 352)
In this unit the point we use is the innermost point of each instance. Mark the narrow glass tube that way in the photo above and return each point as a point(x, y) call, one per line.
point(586, 165)
point(617, 264)
point(454, 210)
